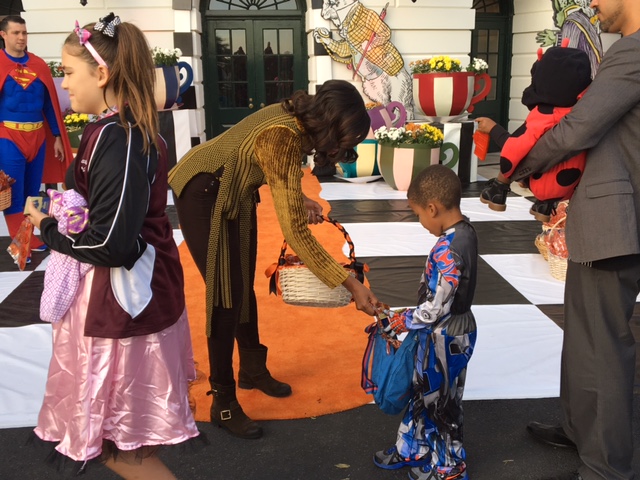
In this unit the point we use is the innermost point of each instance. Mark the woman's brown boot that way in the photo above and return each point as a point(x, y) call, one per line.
point(254, 373)
point(227, 413)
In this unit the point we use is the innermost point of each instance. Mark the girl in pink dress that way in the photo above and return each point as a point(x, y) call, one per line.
point(118, 380)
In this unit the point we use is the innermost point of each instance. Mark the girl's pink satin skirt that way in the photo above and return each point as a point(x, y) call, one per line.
point(132, 391)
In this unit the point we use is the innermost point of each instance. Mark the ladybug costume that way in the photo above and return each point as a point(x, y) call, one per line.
point(558, 79)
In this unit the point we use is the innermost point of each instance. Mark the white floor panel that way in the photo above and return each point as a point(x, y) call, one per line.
point(10, 281)
point(24, 355)
point(517, 210)
point(517, 207)
point(4, 232)
point(386, 239)
point(359, 191)
point(177, 236)
point(529, 274)
point(43, 265)
point(517, 354)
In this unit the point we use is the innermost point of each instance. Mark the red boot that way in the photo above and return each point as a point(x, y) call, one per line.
point(13, 223)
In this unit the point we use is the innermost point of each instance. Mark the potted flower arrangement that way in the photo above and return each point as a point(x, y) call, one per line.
point(56, 69)
point(166, 57)
point(167, 90)
point(442, 88)
point(74, 123)
point(406, 151)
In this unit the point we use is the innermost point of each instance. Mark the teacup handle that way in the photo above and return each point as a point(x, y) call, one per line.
point(399, 119)
point(481, 88)
point(187, 79)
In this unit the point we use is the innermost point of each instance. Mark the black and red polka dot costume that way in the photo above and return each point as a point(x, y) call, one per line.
point(558, 79)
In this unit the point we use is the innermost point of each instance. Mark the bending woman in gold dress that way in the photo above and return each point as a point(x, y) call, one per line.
point(216, 188)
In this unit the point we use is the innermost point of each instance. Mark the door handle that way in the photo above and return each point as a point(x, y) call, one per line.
point(262, 105)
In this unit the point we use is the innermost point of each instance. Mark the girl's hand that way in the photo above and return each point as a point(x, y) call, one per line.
point(485, 124)
point(314, 210)
point(35, 216)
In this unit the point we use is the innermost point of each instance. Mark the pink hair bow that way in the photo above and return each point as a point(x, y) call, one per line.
point(83, 37)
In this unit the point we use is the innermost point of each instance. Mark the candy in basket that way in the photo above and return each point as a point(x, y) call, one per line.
point(5, 190)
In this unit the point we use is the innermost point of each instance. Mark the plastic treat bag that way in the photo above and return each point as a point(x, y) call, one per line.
point(481, 142)
point(20, 248)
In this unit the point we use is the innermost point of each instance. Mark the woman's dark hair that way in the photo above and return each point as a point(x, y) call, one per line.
point(334, 120)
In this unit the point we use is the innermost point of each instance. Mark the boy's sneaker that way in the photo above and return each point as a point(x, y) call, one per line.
point(41, 248)
point(429, 472)
point(543, 209)
point(391, 460)
point(494, 195)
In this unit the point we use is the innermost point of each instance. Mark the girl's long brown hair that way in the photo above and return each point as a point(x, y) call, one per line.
point(131, 73)
point(334, 120)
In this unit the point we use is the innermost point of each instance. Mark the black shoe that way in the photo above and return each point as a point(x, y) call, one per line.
point(494, 194)
point(543, 209)
point(550, 434)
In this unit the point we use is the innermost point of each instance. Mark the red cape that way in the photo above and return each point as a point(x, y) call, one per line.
point(54, 169)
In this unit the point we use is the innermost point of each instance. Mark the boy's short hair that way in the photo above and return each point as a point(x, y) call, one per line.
point(438, 183)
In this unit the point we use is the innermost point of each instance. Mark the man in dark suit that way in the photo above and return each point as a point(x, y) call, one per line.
point(603, 239)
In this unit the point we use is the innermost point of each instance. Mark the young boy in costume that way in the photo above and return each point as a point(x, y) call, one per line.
point(430, 435)
point(558, 79)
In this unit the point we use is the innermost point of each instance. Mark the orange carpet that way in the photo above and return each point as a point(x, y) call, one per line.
point(318, 351)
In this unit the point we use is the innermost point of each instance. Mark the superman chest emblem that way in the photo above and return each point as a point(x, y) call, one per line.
point(23, 76)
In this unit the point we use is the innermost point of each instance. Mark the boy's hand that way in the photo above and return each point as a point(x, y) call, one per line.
point(485, 124)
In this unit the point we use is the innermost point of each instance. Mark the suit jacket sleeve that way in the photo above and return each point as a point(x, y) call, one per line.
point(613, 92)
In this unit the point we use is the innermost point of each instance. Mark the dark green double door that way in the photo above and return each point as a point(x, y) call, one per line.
point(250, 64)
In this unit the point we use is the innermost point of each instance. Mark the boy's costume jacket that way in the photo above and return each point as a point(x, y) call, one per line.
point(54, 169)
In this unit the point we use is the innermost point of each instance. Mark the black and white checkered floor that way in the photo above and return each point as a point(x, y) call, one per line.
point(518, 304)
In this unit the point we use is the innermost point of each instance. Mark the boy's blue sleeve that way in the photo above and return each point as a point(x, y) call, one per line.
point(441, 280)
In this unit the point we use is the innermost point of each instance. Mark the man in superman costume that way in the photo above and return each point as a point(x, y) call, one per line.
point(34, 146)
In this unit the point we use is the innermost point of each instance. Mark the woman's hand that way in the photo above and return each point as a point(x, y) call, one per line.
point(364, 298)
point(485, 124)
point(35, 216)
point(314, 210)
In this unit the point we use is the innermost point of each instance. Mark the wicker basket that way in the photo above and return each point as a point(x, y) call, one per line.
point(558, 267)
point(5, 198)
point(542, 246)
point(547, 229)
point(299, 286)
point(302, 288)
